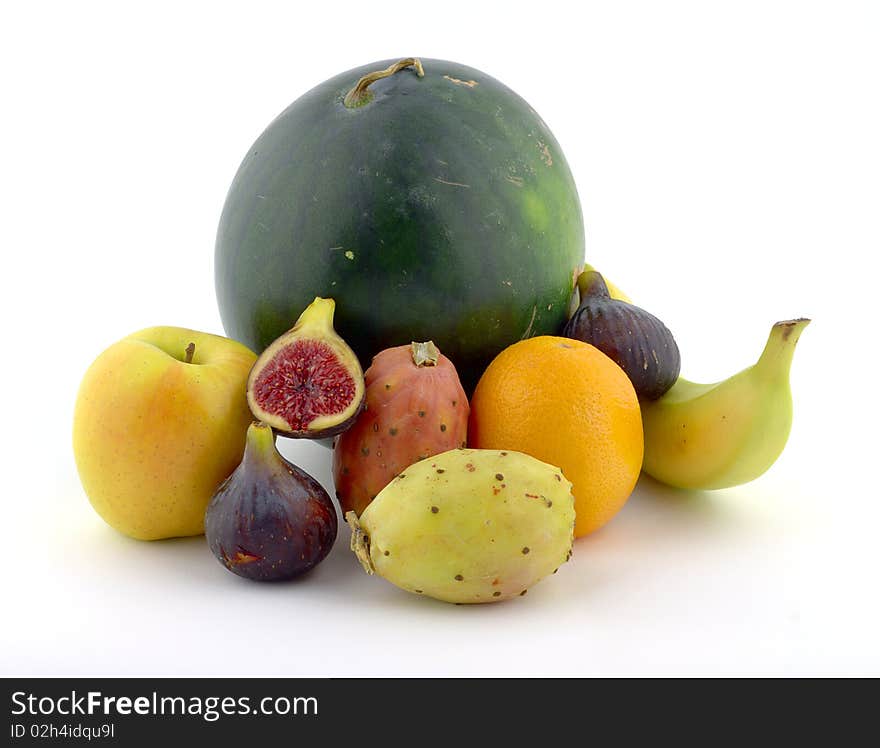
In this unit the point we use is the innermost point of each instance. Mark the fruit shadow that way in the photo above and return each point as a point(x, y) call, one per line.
point(667, 513)
point(165, 557)
point(658, 523)
point(658, 518)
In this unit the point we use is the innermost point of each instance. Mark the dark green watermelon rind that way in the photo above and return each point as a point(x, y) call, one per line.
point(439, 210)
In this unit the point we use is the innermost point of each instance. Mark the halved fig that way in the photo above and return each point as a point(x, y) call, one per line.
point(308, 383)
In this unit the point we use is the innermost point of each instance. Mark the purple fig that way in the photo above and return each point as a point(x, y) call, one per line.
point(269, 520)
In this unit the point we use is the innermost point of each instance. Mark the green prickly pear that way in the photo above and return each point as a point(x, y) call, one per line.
point(468, 526)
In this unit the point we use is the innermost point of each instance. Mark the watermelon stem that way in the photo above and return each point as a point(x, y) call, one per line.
point(358, 96)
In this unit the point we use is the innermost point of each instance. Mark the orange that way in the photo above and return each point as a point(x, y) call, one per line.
point(568, 404)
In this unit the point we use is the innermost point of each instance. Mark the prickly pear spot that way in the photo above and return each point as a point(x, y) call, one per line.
point(304, 381)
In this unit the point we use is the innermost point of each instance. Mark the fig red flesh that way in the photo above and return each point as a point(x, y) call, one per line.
point(304, 381)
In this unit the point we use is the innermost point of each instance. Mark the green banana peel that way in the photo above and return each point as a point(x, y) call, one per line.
point(710, 436)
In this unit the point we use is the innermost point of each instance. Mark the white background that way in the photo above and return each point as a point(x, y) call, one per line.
point(727, 160)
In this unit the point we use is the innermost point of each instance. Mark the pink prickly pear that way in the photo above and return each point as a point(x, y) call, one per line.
point(415, 408)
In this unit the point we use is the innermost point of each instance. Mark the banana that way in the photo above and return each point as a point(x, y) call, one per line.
point(709, 436)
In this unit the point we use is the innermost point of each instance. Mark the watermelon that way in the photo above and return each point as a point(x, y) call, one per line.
point(430, 201)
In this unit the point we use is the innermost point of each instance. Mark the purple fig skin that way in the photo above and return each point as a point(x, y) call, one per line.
point(634, 339)
point(269, 520)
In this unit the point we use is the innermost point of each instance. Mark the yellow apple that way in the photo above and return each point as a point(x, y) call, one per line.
point(158, 427)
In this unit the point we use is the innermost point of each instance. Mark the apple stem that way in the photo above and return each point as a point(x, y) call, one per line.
point(190, 350)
